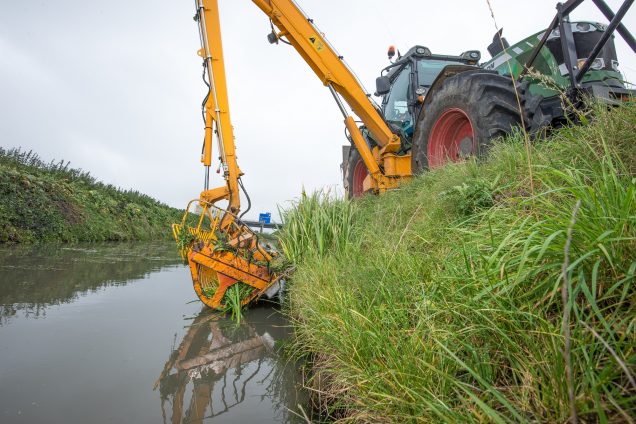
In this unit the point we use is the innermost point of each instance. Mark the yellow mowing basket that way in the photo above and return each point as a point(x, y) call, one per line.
point(222, 252)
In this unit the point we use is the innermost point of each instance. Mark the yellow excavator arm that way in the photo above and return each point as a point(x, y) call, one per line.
point(385, 168)
point(216, 110)
point(226, 254)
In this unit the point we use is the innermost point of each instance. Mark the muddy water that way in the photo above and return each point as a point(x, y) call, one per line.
point(114, 334)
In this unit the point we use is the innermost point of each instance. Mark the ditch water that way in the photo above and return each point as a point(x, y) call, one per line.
point(114, 333)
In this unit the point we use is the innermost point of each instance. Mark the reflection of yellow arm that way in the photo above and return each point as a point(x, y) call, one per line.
point(385, 167)
point(202, 363)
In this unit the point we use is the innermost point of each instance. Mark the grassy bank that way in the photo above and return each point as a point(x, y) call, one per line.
point(46, 202)
point(475, 293)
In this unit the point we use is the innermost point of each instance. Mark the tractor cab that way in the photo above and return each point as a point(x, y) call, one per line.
point(404, 84)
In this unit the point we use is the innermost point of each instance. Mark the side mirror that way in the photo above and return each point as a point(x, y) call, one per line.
point(382, 86)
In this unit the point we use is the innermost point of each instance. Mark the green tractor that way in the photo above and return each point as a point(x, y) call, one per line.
point(447, 108)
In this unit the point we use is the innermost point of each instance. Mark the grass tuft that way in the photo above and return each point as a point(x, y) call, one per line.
point(232, 300)
point(316, 224)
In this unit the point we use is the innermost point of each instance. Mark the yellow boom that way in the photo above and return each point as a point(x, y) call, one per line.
point(385, 167)
point(216, 270)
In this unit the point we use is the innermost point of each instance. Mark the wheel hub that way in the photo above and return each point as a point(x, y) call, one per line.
point(452, 138)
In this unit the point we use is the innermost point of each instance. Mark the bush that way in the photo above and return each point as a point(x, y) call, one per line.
point(43, 202)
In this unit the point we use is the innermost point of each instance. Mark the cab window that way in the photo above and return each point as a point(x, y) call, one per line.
point(428, 70)
point(396, 108)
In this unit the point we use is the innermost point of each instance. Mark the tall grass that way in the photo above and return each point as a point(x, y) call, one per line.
point(446, 306)
point(317, 224)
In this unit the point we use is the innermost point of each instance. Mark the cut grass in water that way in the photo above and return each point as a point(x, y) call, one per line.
point(232, 300)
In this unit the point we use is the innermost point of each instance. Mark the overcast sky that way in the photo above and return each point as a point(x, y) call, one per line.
point(115, 87)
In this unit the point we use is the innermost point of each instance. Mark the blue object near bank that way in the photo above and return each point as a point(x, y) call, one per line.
point(265, 218)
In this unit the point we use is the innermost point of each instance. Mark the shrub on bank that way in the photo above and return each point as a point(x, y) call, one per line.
point(43, 202)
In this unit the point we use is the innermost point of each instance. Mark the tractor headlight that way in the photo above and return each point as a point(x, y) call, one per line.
point(615, 65)
point(471, 55)
point(422, 51)
point(583, 27)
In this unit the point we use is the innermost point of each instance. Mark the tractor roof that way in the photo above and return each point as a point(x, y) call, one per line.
point(419, 52)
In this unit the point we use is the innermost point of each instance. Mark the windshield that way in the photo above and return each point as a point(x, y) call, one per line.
point(427, 70)
point(396, 108)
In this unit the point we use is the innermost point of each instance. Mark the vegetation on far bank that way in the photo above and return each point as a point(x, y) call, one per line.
point(475, 293)
point(51, 202)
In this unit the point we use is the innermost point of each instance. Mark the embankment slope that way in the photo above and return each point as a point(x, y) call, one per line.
point(50, 202)
point(444, 303)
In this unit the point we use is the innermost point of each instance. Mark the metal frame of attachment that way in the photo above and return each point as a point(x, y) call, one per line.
point(562, 21)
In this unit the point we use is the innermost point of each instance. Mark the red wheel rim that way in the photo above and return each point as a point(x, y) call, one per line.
point(359, 174)
point(452, 138)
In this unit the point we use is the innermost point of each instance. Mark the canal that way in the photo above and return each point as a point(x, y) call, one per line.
point(113, 333)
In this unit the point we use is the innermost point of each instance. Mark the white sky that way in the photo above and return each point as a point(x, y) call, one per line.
point(115, 87)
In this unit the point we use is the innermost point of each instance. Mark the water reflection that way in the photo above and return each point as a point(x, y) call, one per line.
point(108, 318)
point(33, 278)
point(219, 365)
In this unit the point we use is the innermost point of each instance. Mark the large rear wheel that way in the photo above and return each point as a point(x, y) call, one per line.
point(462, 118)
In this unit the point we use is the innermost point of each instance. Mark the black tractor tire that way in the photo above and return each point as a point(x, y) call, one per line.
point(538, 121)
point(354, 173)
point(479, 103)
